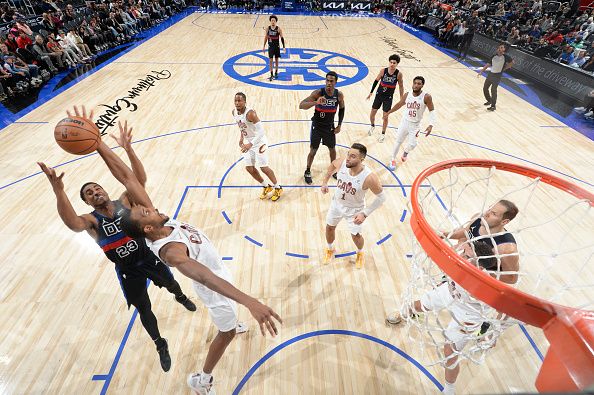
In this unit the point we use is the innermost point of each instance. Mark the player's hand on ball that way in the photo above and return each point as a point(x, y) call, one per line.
point(264, 315)
point(82, 113)
point(55, 180)
point(324, 189)
point(359, 218)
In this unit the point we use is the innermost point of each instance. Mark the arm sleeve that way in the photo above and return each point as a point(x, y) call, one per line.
point(378, 201)
point(283, 41)
point(340, 116)
point(432, 118)
point(374, 85)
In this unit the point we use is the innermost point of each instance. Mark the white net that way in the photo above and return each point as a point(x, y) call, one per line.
point(551, 257)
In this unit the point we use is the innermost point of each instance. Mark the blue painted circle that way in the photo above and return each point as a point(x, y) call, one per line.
point(310, 64)
point(308, 335)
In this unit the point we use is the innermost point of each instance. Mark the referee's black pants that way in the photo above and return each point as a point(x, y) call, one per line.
point(492, 82)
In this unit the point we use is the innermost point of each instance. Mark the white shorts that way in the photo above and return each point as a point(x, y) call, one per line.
point(222, 310)
point(256, 156)
point(337, 212)
point(465, 320)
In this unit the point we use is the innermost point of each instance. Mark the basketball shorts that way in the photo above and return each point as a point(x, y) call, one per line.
point(274, 51)
point(338, 211)
point(256, 156)
point(222, 310)
point(133, 279)
point(382, 101)
point(466, 320)
point(322, 134)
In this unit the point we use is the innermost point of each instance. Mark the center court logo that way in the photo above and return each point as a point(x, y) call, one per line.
point(298, 69)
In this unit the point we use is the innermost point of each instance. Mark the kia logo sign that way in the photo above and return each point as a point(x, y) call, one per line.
point(344, 5)
point(333, 5)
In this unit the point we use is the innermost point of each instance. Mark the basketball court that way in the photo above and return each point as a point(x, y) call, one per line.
point(66, 327)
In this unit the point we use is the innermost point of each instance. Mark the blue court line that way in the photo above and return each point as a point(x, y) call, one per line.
point(30, 122)
point(253, 241)
point(226, 217)
point(308, 335)
point(181, 201)
point(345, 254)
point(382, 240)
point(108, 377)
point(403, 215)
point(227, 258)
point(555, 126)
point(297, 63)
point(532, 342)
point(296, 255)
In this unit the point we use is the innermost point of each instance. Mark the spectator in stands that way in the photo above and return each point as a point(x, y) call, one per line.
point(48, 57)
point(567, 55)
point(546, 24)
point(21, 26)
point(23, 40)
point(7, 81)
point(48, 23)
point(11, 42)
point(500, 10)
point(459, 32)
point(588, 107)
point(514, 36)
point(13, 68)
point(71, 48)
point(535, 32)
point(32, 68)
point(472, 25)
point(66, 55)
point(77, 40)
point(589, 65)
point(68, 15)
point(555, 38)
point(579, 60)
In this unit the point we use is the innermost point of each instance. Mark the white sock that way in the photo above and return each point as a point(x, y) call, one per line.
point(449, 389)
point(277, 186)
point(205, 377)
point(331, 246)
point(264, 184)
point(360, 251)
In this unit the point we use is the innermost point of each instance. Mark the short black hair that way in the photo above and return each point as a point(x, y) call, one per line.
point(333, 74)
point(394, 57)
point(273, 16)
point(130, 227)
point(418, 77)
point(361, 148)
point(242, 95)
point(82, 195)
point(484, 253)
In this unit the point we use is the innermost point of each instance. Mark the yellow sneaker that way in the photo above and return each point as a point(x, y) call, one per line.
point(328, 256)
point(360, 260)
point(277, 193)
point(266, 191)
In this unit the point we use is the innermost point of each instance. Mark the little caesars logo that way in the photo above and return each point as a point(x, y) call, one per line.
point(109, 118)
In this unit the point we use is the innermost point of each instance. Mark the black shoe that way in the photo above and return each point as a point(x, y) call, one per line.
point(335, 175)
point(484, 328)
point(492, 108)
point(487, 103)
point(271, 77)
point(276, 76)
point(307, 176)
point(163, 350)
point(186, 302)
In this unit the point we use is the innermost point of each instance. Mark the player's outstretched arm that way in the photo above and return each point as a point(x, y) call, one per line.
point(174, 254)
point(124, 140)
point(375, 82)
point(397, 106)
point(310, 100)
point(72, 220)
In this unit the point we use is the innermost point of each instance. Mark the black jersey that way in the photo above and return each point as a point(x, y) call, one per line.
point(388, 83)
point(273, 37)
point(500, 239)
point(324, 114)
point(119, 248)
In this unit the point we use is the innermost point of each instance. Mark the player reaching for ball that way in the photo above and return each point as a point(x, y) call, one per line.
point(134, 261)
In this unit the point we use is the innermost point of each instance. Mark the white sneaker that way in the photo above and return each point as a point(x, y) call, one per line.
point(200, 388)
point(580, 110)
point(589, 114)
point(381, 137)
point(392, 165)
point(371, 129)
point(241, 328)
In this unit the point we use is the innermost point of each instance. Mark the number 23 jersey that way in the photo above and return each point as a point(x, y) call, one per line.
point(122, 250)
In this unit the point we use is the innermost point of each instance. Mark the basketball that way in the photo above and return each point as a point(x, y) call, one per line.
point(77, 135)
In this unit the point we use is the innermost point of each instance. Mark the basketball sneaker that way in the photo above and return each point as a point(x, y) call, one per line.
point(381, 137)
point(360, 260)
point(328, 256)
point(164, 357)
point(487, 103)
point(271, 77)
point(392, 165)
point(404, 157)
point(307, 176)
point(199, 387)
point(277, 194)
point(266, 191)
point(276, 75)
point(186, 302)
point(371, 129)
point(241, 328)
point(492, 108)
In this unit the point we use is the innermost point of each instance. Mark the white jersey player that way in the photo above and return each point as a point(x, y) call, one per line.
point(253, 144)
point(410, 125)
point(353, 181)
point(193, 255)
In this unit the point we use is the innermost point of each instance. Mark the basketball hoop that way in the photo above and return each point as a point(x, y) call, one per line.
point(440, 195)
